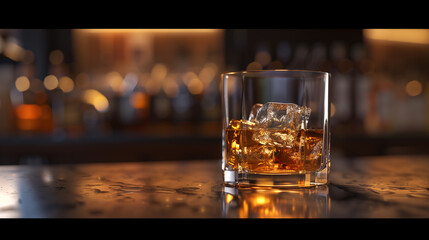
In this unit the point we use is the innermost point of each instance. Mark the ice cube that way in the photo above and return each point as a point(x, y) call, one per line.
point(283, 139)
point(255, 109)
point(278, 124)
point(275, 138)
point(259, 157)
point(281, 115)
point(275, 115)
point(289, 159)
point(304, 114)
point(316, 151)
point(313, 158)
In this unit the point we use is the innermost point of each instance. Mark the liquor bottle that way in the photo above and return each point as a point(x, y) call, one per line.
point(362, 79)
point(299, 58)
point(341, 83)
point(317, 57)
point(7, 77)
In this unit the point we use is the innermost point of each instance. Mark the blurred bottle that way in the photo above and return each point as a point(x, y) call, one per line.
point(426, 110)
point(127, 112)
point(300, 57)
point(342, 94)
point(362, 77)
point(410, 101)
point(182, 103)
point(382, 102)
point(55, 93)
point(93, 104)
point(123, 100)
point(72, 107)
point(317, 57)
point(7, 77)
point(140, 101)
point(161, 106)
point(263, 56)
point(136, 103)
point(32, 106)
point(284, 53)
point(209, 103)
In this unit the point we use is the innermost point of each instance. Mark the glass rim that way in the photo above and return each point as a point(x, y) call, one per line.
point(275, 71)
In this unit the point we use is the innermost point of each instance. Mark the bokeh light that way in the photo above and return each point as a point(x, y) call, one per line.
point(22, 83)
point(50, 82)
point(56, 57)
point(96, 99)
point(413, 88)
point(66, 84)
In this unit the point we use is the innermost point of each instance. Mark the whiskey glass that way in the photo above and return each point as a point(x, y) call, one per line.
point(276, 128)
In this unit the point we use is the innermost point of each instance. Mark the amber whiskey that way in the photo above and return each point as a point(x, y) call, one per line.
point(260, 150)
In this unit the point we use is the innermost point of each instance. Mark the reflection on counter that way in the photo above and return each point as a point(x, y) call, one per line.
point(276, 203)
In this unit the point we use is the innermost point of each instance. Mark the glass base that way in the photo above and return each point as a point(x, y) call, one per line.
point(297, 180)
point(230, 178)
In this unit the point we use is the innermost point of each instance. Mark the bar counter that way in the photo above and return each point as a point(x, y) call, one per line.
point(365, 187)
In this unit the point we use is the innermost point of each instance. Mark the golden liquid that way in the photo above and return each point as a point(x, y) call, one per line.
point(272, 150)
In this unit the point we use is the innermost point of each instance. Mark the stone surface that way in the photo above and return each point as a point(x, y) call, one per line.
point(376, 187)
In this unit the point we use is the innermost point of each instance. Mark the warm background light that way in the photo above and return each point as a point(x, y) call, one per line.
point(66, 84)
point(143, 80)
point(159, 71)
point(22, 83)
point(170, 87)
point(195, 86)
point(139, 100)
point(420, 36)
point(29, 111)
point(50, 82)
point(114, 79)
point(56, 57)
point(95, 98)
point(413, 88)
point(13, 51)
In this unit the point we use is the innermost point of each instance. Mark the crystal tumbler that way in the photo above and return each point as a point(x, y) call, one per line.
point(276, 129)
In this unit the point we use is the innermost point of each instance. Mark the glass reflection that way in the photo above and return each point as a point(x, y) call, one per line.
point(276, 203)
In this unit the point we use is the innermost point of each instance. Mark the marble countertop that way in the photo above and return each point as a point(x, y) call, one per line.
point(370, 187)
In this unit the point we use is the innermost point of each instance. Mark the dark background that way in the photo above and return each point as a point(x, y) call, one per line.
point(370, 77)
